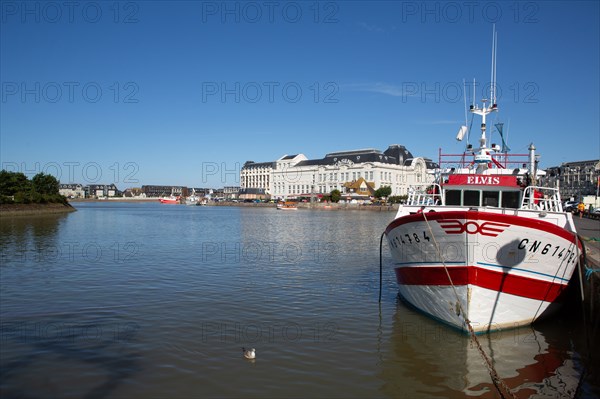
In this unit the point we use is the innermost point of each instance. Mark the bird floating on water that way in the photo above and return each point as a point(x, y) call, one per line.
point(249, 353)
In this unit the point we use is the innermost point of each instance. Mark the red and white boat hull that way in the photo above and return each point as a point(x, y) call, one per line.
point(505, 269)
point(169, 200)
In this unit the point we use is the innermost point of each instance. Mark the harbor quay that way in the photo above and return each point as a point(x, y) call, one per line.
point(589, 233)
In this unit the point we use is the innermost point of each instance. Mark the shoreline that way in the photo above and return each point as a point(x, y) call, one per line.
point(9, 210)
point(112, 199)
point(301, 205)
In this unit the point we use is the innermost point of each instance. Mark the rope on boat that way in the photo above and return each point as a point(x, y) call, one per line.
point(499, 383)
point(380, 266)
point(588, 270)
point(577, 241)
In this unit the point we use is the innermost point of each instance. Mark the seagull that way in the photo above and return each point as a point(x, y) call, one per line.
point(249, 353)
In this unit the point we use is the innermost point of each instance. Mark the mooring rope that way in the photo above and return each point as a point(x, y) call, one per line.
point(439, 252)
point(499, 383)
point(577, 241)
point(380, 264)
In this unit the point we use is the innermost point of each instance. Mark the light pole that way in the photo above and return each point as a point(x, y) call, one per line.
point(597, 169)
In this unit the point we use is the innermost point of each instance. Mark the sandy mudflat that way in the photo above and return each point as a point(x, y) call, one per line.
point(33, 209)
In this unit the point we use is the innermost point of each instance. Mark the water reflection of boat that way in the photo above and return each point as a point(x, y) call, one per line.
point(529, 362)
point(428, 359)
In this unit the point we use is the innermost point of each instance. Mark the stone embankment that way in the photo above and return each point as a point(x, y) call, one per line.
point(589, 232)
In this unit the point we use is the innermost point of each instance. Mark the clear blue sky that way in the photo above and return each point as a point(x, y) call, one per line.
point(152, 92)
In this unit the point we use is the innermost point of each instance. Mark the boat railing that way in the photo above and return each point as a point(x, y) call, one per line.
point(541, 199)
point(425, 195)
point(500, 160)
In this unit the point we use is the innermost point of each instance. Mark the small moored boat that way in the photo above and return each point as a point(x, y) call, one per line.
point(287, 206)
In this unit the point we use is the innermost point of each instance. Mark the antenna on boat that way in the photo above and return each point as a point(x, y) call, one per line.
point(463, 129)
point(473, 98)
point(465, 96)
point(483, 158)
point(507, 129)
point(493, 73)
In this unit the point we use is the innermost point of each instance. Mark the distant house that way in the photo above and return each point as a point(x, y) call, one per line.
point(102, 190)
point(574, 179)
point(71, 190)
point(160, 191)
point(253, 193)
point(358, 188)
point(231, 192)
point(134, 193)
point(218, 193)
point(200, 191)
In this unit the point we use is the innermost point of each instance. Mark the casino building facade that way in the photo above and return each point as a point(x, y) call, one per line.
point(294, 176)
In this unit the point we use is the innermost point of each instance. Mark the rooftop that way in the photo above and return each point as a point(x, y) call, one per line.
point(395, 154)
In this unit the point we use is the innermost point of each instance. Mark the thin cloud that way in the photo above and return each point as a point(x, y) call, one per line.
point(441, 122)
point(381, 88)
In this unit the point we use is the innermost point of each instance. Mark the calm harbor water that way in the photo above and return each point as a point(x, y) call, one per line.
point(156, 301)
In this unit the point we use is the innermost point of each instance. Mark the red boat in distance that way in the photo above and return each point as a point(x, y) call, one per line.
point(170, 200)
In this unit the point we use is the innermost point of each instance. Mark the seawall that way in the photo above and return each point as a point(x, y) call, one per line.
point(589, 232)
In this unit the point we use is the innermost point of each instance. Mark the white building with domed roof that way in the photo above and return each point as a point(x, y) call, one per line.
point(294, 176)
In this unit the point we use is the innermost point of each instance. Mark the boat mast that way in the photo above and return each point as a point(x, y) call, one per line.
point(483, 158)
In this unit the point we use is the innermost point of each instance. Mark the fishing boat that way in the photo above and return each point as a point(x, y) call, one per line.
point(484, 247)
point(170, 200)
point(193, 199)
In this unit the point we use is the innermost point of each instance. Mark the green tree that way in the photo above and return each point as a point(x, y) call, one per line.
point(397, 199)
point(45, 184)
point(383, 191)
point(13, 182)
point(335, 195)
